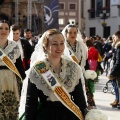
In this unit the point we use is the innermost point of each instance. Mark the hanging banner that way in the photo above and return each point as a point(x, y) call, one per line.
point(51, 8)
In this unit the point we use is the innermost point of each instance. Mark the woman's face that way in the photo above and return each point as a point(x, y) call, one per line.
point(116, 39)
point(55, 46)
point(71, 34)
point(4, 30)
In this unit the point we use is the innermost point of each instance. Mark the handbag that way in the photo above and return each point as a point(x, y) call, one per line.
point(93, 64)
point(99, 58)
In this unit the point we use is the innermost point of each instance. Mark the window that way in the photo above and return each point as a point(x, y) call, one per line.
point(92, 14)
point(92, 31)
point(93, 4)
point(99, 6)
point(106, 32)
point(107, 3)
point(61, 21)
point(62, 6)
point(72, 6)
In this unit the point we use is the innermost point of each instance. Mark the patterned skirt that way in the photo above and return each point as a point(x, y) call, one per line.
point(9, 95)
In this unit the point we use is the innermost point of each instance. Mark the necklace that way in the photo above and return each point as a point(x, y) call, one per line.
point(56, 68)
point(72, 47)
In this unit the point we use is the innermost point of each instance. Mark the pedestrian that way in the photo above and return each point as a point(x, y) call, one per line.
point(98, 45)
point(29, 37)
point(24, 46)
point(92, 55)
point(79, 52)
point(75, 44)
point(11, 74)
point(115, 71)
point(55, 79)
point(107, 53)
point(92, 59)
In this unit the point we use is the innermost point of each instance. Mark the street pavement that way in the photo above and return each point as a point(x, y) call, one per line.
point(103, 100)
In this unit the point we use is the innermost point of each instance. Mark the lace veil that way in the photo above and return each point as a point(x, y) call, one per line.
point(81, 43)
point(39, 53)
point(10, 36)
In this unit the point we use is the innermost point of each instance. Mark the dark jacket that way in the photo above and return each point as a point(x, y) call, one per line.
point(32, 102)
point(116, 66)
point(107, 47)
point(27, 51)
point(20, 68)
point(34, 42)
point(98, 45)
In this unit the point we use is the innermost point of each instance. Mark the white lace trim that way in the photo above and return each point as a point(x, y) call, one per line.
point(69, 78)
point(80, 53)
point(12, 51)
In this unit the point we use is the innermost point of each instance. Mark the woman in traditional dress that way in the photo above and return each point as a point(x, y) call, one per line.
point(11, 75)
point(79, 52)
point(93, 60)
point(56, 70)
point(92, 55)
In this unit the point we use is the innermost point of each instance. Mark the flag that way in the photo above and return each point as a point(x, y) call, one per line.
point(51, 9)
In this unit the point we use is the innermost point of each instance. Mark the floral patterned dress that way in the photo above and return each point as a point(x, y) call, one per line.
point(10, 83)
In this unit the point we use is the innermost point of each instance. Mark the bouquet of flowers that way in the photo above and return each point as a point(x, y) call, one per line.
point(95, 114)
point(90, 74)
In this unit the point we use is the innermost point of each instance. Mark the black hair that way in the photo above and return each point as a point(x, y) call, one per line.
point(27, 30)
point(89, 43)
point(15, 27)
point(71, 26)
point(117, 34)
point(5, 21)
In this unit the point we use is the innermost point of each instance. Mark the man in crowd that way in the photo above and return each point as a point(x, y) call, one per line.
point(29, 37)
point(115, 71)
point(24, 46)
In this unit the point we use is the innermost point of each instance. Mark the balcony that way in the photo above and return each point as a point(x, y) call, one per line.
point(91, 13)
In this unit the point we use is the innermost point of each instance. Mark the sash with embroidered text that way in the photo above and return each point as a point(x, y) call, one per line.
point(58, 90)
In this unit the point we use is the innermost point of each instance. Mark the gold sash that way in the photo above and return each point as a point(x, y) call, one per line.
point(73, 55)
point(59, 91)
point(8, 62)
point(75, 59)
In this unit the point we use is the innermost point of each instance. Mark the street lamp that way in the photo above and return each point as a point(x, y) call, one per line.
point(104, 15)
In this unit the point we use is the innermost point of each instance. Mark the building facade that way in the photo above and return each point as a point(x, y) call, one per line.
point(8, 11)
point(102, 17)
point(71, 12)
